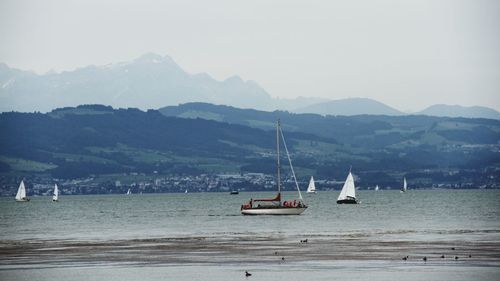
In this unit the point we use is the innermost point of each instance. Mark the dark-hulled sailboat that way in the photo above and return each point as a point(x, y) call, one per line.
point(348, 193)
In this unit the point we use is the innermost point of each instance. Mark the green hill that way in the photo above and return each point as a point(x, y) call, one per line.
point(95, 140)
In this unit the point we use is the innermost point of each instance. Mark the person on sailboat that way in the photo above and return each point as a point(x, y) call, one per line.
point(275, 206)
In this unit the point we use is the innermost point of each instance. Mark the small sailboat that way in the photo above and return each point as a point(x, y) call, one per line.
point(311, 188)
point(348, 192)
point(129, 191)
point(376, 187)
point(404, 188)
point(55, 196)
point(234, 192)
point(186, 191)
point(275, 206)
point(21, 193)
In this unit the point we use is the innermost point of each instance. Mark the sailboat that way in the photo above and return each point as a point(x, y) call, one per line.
point(275, 206)
point(376, 187)
point(405, 186)
point(348, 192)
point(312, 187)
point(129, 191)
point(21, 193)
point(55, 197)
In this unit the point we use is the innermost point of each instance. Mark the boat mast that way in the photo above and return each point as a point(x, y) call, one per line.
point(278, 154)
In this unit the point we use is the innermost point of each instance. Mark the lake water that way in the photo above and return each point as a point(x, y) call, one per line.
point(418, 222)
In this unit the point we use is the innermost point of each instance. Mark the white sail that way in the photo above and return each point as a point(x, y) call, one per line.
point(312, 187)
point(348, 189)
point(376, 188)
point(186, 191)
point(55, 197)
point(21, 192)
point(129, 192)
point(405, 186)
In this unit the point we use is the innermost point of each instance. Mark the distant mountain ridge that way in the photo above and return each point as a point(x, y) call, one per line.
point(460, 111)
point(349, 107)
point(147, 82)
point(152, 81)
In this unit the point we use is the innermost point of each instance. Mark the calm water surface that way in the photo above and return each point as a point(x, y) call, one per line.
point(422, 214)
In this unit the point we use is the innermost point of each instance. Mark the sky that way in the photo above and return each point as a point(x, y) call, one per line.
point(407, 54)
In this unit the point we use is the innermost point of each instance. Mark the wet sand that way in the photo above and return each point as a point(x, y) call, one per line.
point(245, 249)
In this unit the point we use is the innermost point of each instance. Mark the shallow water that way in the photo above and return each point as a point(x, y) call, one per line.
point(422, 214)
point(342, 271)
point(419, 219)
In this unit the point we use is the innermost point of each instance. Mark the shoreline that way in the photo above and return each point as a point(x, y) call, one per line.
point(234, 250)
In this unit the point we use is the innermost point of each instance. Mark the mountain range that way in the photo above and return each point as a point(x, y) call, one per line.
point(147, 82)
point(349, 107)
point(461, 111)
point(152, 81)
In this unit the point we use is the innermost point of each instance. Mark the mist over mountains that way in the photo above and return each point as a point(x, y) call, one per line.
point(153, 81)
point(349, 107)
point(150, 81)
point(444, 110)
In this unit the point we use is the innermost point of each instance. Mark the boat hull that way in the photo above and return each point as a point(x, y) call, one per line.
point(347, 201)
point(273, 211)
point(23, 200)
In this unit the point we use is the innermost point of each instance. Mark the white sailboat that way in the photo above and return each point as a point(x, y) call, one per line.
point(129, 191)
point(274, 206)
point(55, 196)
point(348, 193)
point(186, 191)
point(311, 188)
point(405, 185)
point(376, 187)
point(21, 193)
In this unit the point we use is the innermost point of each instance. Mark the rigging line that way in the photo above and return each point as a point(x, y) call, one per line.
point(291, 166)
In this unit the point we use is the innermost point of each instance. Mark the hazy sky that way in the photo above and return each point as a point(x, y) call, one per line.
point(407, 54)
